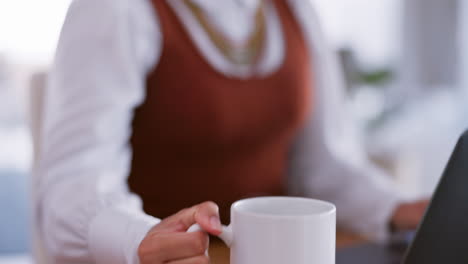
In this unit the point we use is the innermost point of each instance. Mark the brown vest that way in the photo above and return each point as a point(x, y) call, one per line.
point(201, 135)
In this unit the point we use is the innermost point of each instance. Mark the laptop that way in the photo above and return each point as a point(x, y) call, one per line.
point(442, 236)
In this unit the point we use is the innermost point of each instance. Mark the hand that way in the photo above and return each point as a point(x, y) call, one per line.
point(168, 242)
point(408, 215)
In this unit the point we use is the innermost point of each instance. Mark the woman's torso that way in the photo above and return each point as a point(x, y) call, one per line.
point(201, 135)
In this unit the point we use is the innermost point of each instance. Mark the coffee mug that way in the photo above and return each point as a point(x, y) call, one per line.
point(281, 230)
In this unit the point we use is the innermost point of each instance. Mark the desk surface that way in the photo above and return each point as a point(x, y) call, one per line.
point(219, 253)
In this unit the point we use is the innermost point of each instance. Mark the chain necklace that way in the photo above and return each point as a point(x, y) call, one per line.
point(246, 54)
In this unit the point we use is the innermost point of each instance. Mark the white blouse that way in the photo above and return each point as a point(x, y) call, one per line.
point(84, 210)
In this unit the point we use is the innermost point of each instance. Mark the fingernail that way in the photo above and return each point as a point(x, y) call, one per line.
point(215, 223)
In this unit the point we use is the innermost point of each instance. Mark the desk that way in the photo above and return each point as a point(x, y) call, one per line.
point(219, 253)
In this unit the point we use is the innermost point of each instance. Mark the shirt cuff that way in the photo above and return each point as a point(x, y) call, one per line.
point(115, 235)
point(381, 231)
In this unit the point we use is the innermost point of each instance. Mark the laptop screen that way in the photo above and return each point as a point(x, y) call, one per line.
point(443, 234)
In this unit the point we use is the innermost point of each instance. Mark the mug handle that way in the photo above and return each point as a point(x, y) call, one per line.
point(226, 234)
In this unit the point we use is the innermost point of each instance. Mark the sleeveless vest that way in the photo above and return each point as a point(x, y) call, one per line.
point(201, 135)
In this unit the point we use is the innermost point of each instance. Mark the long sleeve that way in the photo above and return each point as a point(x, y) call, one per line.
point(327, 161)
point(84, 209)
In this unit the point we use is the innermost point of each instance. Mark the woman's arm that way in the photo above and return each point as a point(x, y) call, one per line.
point(84, 209)
point(327, 161)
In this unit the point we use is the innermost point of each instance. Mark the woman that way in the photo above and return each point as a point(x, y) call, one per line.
point(186, 101)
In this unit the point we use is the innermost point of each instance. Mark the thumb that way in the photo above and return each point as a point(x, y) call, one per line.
point(205, 214)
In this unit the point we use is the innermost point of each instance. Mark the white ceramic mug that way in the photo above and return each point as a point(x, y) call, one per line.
point(281, 230)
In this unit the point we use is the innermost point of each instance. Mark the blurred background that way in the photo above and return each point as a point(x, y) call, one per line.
point(404, 62)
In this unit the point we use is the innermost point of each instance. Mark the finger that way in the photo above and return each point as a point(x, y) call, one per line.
point(411, 214)
point(423, 205)
point(421, 208)
point(418, 208)
point(205, 214)
point(175, 246)
point(202, 259)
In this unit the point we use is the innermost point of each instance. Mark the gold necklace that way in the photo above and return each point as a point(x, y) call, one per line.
point(247, 54)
